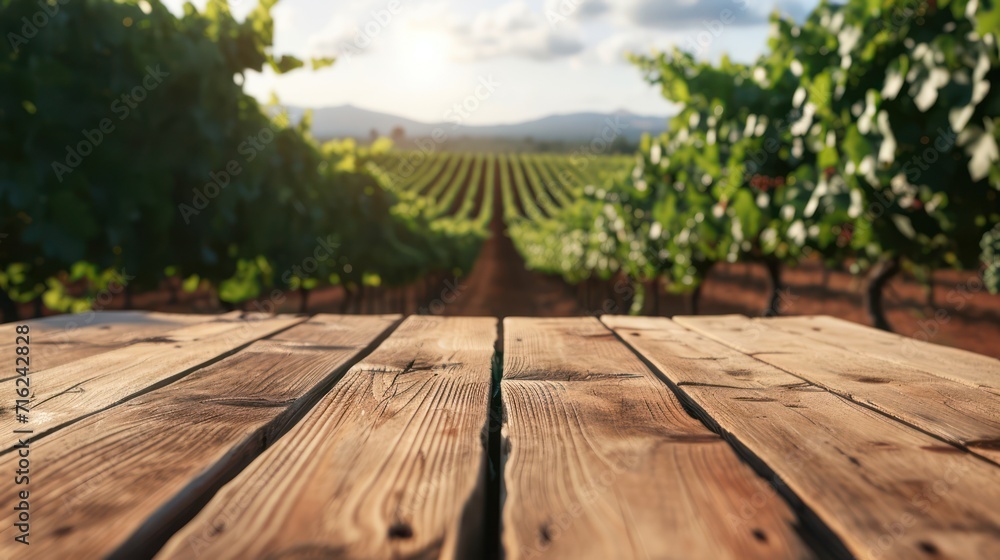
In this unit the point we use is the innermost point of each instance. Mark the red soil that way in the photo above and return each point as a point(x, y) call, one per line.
point(499, 285)
point(961, 313)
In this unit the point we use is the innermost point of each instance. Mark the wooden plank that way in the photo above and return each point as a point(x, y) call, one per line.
point(954, 412)
point(389, 464)
point(75, 390)
point(120, 482)
point(601, 460)
point(62, 339)
point(956, 364)
point(889, 491)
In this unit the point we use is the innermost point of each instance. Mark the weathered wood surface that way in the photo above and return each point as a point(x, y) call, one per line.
point(708, 437)
point(885, 489)
point(62, 339)
point(390, 464)
point(956, 364)
point(72, 391)
point(952, 411)
point(601, 460)
point(123, 480)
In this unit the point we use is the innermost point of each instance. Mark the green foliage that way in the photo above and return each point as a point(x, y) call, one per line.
point(128, 145)
point(991, 258)
point(576, 240)
point(906, 99)
point(868, 131)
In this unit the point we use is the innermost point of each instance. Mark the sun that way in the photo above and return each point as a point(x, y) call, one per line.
point(426, 56)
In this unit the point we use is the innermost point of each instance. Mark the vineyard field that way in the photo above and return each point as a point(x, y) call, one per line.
point(505, 197)
point(878, 160)
point(532, 185)
point(502, 280)
point(464, 198)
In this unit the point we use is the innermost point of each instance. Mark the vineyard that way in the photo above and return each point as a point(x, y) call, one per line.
point(532, 187)
point(870, 157)
point(200, 188)
point(206, 191)
point(761, 321)
point(866, 138)
point(506, 190)
point(805, 155)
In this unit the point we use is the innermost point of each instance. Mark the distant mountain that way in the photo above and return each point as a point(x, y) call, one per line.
point(349, 121)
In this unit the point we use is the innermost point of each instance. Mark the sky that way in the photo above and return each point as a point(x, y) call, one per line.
point(512, 60)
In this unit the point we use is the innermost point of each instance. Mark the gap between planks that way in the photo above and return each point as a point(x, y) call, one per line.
point(886, 489)
point(118, 484)
point(602, 461)
point(390, 463)
point(159, 526)
point(957, 413)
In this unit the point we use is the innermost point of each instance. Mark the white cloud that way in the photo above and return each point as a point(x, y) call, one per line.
point(558, 10)
point(437, 47)
point(613, 49)
point(544, 29)
point(686, 14)
point(338, 35)
point(513, 29)
point(356, 29)
point(705, 28)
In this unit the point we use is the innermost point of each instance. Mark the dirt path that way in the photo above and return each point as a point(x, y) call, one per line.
point(501, 286)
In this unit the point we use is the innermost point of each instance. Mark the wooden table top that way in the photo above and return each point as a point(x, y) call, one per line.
point(335, 436)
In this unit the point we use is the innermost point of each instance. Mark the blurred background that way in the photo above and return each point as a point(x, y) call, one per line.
point(505, 157)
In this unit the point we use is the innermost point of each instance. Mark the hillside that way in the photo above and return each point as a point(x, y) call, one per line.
point(350, 121)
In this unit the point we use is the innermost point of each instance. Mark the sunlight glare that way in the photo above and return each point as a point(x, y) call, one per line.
point(426, 57)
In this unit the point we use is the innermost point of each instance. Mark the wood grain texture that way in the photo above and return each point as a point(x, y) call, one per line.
point(601, 460)
point(74, 390)
point(956, 364)
point(390, 464)
point(953, 411)
point(64, 338)
point(121, 481)
point(887, 490)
